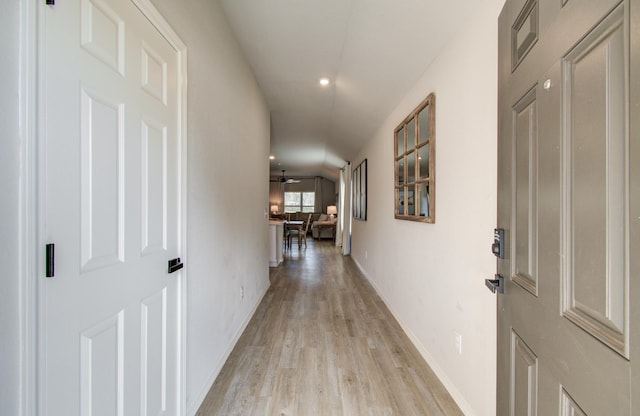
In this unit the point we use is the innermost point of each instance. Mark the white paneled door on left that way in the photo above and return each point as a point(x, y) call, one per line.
point(110, 321)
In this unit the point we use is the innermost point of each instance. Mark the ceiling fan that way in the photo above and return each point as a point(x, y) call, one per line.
point(284, 180)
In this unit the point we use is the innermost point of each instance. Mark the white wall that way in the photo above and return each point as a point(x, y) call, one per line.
point(228, 132)
point(10, 337)
point(432, 276)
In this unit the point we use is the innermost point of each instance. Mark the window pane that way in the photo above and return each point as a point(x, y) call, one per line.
point(293, 208)
point(411, 200)
point(308, 198)
point(411, 167)
point(411, 134)
point(400, 138)
point(423, 157)
point(424, 200)
point(292, 198)
point(401, 171)
point(423, 123)
point(400, 201)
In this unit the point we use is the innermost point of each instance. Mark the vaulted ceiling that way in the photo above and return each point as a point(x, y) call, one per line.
point(372, 52)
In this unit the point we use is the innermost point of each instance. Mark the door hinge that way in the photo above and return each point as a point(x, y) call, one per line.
point(50, 260)
point(50, 2)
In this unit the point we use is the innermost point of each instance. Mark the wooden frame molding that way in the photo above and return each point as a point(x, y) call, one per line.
point(415, 164)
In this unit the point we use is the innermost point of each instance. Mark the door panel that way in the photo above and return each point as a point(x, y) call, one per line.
point(596, 278)
point(524, 376)
point(154, 187)
point(524, 236)
point(568, 406)
point(102, 180)
point(102, 33)
point(564, 199)
point(101, 368)
point(153, 394)
point(111, 315)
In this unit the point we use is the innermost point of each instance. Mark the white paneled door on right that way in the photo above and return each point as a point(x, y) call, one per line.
point(111, 316)
point(569, 202)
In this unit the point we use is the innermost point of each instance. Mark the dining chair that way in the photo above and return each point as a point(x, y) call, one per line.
point(300, 232)
point(285, 236)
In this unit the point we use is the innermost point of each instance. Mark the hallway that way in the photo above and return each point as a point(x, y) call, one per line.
point(323, 343)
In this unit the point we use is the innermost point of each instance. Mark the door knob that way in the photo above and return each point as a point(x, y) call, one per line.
point(495, 285)
point(175, 264)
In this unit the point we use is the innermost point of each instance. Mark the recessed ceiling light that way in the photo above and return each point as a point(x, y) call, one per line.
point(271, 157)
point(324, 81)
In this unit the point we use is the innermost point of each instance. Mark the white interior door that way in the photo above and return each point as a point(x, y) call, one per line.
point(568, 200)
point(110, 320)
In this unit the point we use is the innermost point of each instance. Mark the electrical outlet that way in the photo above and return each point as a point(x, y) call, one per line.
point(458, 342)
point(242, 292)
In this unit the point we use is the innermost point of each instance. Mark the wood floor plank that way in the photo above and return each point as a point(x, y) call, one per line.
point(323, 343)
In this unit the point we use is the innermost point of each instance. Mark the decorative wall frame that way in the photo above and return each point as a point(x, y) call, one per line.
point(414, 164)
point(359, 181)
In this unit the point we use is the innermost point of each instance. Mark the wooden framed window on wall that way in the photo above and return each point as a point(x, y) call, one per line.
point(360, 191)
point(414, 161)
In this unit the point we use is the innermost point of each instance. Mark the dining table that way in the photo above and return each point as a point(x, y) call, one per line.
point(293, 225)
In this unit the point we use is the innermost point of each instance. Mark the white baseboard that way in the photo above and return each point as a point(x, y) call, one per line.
point(191, 410)
point(442, 376)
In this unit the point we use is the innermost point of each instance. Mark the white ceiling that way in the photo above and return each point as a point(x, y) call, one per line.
point(373, 51)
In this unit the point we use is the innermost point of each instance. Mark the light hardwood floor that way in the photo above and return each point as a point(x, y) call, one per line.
point(322, 342)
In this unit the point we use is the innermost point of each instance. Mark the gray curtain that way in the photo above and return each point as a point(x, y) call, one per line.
point(318, 199)
point(276, 195)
